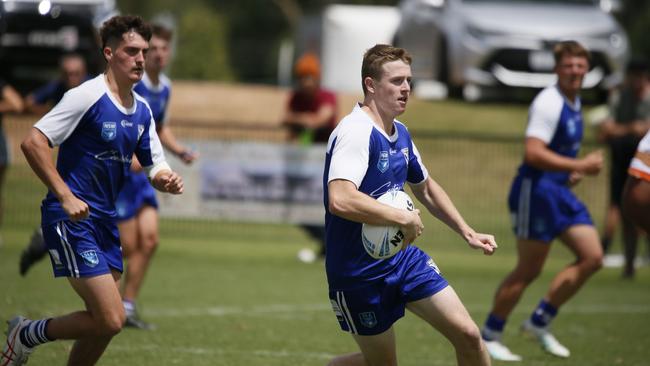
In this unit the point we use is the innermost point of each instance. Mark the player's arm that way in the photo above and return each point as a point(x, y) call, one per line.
point(152, 158)
point(38, 153)
point(538, 155)
point(611, 130)
point(347, 202)
point(11, 102)
point(170, 143)
point(438, 203)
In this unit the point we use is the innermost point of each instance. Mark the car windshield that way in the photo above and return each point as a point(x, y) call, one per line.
point(575, 2)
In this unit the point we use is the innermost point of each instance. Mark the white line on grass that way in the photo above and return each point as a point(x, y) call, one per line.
point(278, 309)
point(216, 351)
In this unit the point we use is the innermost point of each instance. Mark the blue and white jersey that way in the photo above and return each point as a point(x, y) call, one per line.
point(365, 155)
point(97, 138)
point(558, 122)
point(157, 96)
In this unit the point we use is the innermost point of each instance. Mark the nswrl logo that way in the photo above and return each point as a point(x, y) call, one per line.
point(90, 257)
point(368, 319)
point(109, 131)
point(382, 164)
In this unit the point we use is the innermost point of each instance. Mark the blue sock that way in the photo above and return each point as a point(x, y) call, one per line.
point(33, 333)
point(544, 314)
point(493, 328)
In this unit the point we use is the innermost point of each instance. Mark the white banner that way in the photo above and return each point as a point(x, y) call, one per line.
point(250, 181)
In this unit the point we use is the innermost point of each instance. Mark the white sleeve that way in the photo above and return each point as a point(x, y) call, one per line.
point(544, 115)
point(417, 172)
point(149, 150)
point(59, 123)
point(350, 152)
point(157, 153)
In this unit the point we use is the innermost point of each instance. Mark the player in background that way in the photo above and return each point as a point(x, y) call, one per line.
point(98, 126)
point(73, 72)
point(543, 207)
point(10, 102)
point(136, 204)
point(370, 153)
point(636, 195)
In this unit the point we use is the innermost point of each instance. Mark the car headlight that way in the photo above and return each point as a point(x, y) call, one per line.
point(480, 33)
point(617, 40)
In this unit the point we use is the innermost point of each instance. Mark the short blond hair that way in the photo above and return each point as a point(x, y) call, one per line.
point(570, 48)
point(376, 57)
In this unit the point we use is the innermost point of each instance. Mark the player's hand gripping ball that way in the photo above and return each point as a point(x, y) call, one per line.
point(383, 242)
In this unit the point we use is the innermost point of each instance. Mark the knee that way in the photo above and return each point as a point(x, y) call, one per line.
point(592, 263)
point(150, 244)
point(111, 325)
point(469, 339)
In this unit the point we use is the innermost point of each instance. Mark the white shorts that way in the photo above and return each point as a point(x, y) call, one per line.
point(640, 165)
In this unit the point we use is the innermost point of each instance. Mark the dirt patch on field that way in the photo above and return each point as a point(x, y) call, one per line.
point(216, 103)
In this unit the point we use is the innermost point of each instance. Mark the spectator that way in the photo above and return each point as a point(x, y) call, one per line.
point(628, 122)
point(311, 118)
point(10, 102)
point(73, 73)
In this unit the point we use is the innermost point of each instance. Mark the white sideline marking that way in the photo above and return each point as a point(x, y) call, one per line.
point(218, 311)
point(279, 309)
point(220, 351)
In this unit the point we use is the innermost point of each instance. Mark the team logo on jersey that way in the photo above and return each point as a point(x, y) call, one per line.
point(539, 225)
point(90, 257)
point(405, 152)
point(109, 131)
point(140, 131)
point(571, 126)
point(126, 123)
point(382, 164)
point(368, 319)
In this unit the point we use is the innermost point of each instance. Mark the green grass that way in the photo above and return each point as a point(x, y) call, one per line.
point(234, 294)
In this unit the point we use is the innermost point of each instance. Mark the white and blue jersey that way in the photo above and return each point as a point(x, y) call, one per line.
point(540, 201)
point(156, 95)
point(376, 163)
point(137, 191)
point(369, 295)
point(97, 138)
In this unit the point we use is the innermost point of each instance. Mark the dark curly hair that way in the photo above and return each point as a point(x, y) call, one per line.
point(113, 29)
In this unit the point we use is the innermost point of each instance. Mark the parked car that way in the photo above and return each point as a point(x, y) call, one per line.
point(36, 33)
point(478, 46)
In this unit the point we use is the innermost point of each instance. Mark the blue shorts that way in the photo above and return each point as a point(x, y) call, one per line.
point(542, 209)
point(373, 308)
point(136, 192)
point(84, 248)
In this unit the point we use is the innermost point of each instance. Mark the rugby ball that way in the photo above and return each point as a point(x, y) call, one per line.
point(383, 242)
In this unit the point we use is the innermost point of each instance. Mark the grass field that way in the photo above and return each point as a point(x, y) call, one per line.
point(234, 294)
